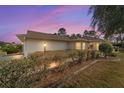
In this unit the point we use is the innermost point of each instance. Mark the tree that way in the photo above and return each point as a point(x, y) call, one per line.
point(62, 31)
point(78, 35)
point(73, 36)
point(90, 33)
point(106, 48)
point(108, 19)
point(85, 33)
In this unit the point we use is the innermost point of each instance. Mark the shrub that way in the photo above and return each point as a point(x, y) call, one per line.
point(12, 74)
point(97, 54)
point(114, 54)
point(35, 56)
point(93, 54)
point(80, 55)
point(57, 57)
point(106, 48)
point(10, 49)
point(2, 53)
point(88, 54)
point(72, 55)
point(116, 49)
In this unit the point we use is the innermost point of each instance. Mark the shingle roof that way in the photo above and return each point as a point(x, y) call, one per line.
point(46, 36)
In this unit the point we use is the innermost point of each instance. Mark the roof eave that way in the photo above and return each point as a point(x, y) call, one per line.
point(21, 37)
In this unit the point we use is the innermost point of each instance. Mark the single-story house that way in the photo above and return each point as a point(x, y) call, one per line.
point(37, 41)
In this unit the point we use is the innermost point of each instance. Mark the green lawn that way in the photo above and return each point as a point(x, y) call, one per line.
point(102, 74)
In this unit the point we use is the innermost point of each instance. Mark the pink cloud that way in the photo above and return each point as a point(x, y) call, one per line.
point(46, 18)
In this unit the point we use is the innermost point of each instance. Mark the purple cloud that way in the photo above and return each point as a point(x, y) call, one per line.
point(19, 19)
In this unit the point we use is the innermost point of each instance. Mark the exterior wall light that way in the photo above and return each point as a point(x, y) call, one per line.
point(44, 45)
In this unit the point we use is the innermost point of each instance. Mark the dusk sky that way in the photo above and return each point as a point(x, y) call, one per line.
point(47, 18)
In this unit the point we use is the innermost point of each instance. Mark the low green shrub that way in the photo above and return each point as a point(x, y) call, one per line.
point(2, 53)
point(88, 55)
point(106, 48)
point(114, 54)
point(72, 55)
point(116, 49)
point(13, 72)
point(97, 54)
point(93, 54)
point(80, 55)
point(9, 48)
point(34, 56)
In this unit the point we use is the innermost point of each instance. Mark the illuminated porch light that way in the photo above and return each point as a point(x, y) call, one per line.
point(44, 45)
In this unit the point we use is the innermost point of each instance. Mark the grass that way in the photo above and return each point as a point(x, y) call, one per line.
point(100, 75)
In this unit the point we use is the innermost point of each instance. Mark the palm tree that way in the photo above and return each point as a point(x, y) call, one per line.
point(108, 19)
point(62, 31)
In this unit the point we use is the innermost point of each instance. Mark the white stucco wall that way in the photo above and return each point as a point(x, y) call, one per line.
point(71, 45)
point(31, 46)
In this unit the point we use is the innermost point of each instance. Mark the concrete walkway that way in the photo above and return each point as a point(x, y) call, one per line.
point(85, 67)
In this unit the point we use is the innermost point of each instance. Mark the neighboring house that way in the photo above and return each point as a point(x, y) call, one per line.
point(37, 41)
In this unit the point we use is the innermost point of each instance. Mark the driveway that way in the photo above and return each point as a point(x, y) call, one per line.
point(11, 57)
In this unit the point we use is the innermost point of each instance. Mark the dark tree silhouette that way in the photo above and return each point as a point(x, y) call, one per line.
point(62, 31)
point(108, 19)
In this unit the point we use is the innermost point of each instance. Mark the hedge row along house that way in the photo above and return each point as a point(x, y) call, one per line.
point(37, 41)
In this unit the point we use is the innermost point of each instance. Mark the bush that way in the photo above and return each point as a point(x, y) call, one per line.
point(116, 49)
point(35, 56)
point(114, 54)
point(93, 54)
point(80, 55)
point(10, 49)
point(56, 57)
point(2, 53)
point(12, 74)
point(106, 48)
point(97, 54)
point(88, 54)
point(72, 55)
